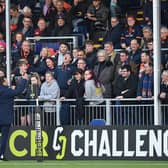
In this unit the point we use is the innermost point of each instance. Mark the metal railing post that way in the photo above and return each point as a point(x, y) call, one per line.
point(58, 105)
point(108, 112)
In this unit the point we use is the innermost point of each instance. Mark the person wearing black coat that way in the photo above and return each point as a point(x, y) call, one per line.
point(76, 91)
point(6, 111)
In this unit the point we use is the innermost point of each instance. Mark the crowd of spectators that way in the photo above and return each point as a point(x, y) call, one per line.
point(97, 72)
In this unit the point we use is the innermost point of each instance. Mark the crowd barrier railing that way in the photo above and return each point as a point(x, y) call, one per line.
point(124, 112)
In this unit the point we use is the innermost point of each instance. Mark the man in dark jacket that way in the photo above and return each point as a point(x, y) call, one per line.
point(6, 111)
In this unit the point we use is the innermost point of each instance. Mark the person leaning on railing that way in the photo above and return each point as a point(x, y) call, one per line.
point(6, 111)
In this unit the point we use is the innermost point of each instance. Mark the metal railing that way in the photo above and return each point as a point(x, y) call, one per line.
point(126, 112)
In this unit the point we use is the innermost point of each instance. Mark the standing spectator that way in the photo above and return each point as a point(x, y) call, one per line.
point(104, 71)
point(39, 64)
point(124, 87)
point(18, 38)
point(146, 83)
point(97, 15)
point(49, 90)
point(114, 33)
point(22, 69)
point(146, 90)
point(113, 56)
point(122, 61)
point(81, 64)
point(64, 73)
point(147, 35)
point(63, 48)
point(50, 65)
point(76, 91)
point(6, 112)
point(134, 55)
point(145, 59)
point(91, 53)
point(93, 88)
point(25, 52)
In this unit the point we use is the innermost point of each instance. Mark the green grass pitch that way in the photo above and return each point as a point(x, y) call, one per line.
point(84, 164)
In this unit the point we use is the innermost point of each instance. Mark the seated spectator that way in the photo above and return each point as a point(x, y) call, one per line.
point(46, 11)
point(130, 32)
point(58, 11)
point(14, 14)
point(114, 33)
point(49, 90)
point(97, 15)
point(78, 11)
point(104, 71)
point(42, 29)
point(115, 10)
point(148, 13)
point(27, 28)
point(61, 28)
point(26, 12)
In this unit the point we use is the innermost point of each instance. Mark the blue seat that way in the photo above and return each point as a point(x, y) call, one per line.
point(98, 122)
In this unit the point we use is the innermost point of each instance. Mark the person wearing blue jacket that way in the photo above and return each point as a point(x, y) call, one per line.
point(6, 111)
